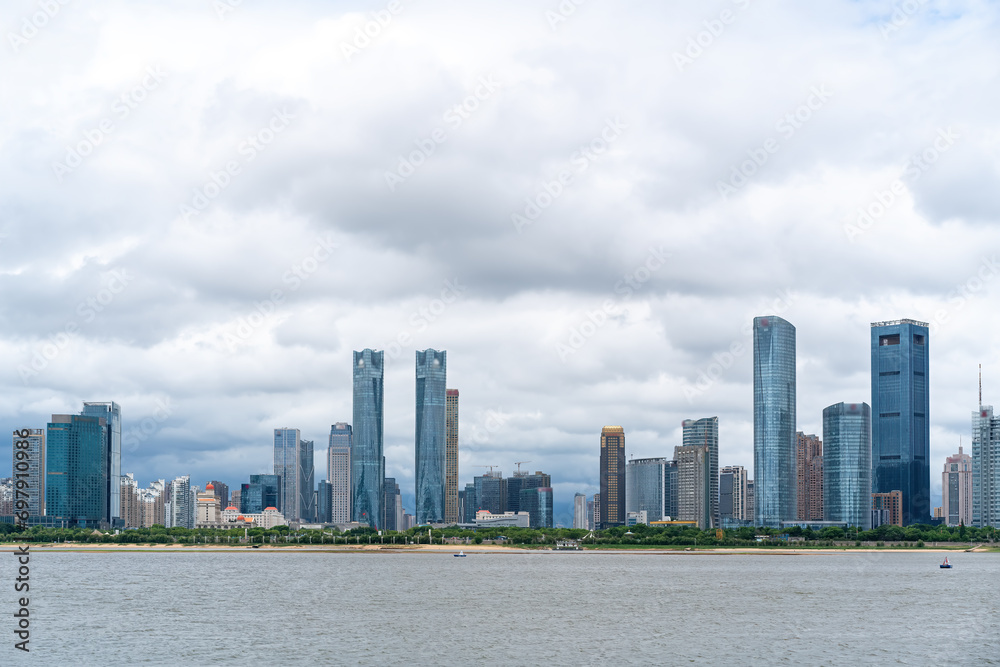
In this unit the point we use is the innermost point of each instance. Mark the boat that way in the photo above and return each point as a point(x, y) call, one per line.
point(945, 564)
point(460, 554)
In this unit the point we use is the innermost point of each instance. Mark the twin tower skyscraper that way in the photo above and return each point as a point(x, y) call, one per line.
point(436, 439)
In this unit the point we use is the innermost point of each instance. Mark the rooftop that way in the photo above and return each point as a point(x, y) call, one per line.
point(890, 323)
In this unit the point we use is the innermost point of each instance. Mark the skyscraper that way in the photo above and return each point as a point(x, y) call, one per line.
point(338, 472)
point(645, 487)
point(367, 462)
point(389, 504)
point(470, 504)
point(670, 489)
point(537, 502)
point(956, 489)
point(306, 481)
point(287, 462)
point(775, 482)
point(262, 492)
point(76, 470)
point(580, 511)
point(451, 514)
point(432, 370)
point(809, 471)
point(182, 512)
point(733, 495)
point(131, 509)
point(706, 432)
point(847, 464)
point(490, 493)
point(694, 484)
point(28, 464)
point(612, 476)
point(324, 496)
point(112, 415)
point(900, 407)
point(221, 492)
point(985, 468)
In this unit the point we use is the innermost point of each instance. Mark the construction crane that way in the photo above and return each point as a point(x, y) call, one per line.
point(518, 464)
point(490, 467)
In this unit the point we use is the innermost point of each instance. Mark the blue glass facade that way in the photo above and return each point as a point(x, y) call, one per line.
point(367, 462)
point(307, 481)
point(432, 371)
point(706, 432)
point(847, 462)
point(262, 492)
point(900, 415)
point(646, 487)
point(76, 469)
point(469, 503)
point(286, 466)
point(537, 502)
point(490, 493)
point(775, 483)
point(111, 412)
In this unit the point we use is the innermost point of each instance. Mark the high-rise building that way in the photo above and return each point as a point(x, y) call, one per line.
point(490, 493)
point(900, 410)
point(112, 415)
point(235, 498)
point(182, 513)
point(294, 466)
point(76, 470)
point(307, 481)
point(670, 489)
point(451, 510)
point(469, 503)
point(389, 504)
point(131, 509)
point(324, 498)
point(751, 498)
point(733, 495)
point(367, 462)
point(887, 508)
point(221, 492)
point(595, 524)
point(985, 468)
point(775, 483)
point(29, 465)
point(262, 492)
point(706, 432)
point(514, 485)
point(694, 484)
point(432, 372)
point(152, 504)
point(645, 487)
point(847, 464)
point(956, 489)
point(537, 502)
point(809, 471)
point(612, 476)
point(590, 514)
point(580, 511)
point(338, 472)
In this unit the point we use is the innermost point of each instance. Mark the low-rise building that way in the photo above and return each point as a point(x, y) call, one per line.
point(486, 519)
point(269, 518)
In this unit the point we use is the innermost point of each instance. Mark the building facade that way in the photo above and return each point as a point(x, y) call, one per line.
point(431, 430)
point(694, 485)
point(111, 413)
point(847, 464)
point(470, 504)
point(733, 495)
point(389, 503)
point(705, 432)
point(887, 508)
point(537, 502)
point(28, 464)
point(645, 487)
point(338, 472)
point(809, 473)
point(182, 511)
point(775, 478)
point(580, 511)
point(900, 407)
point(287, 459)
point(985, 468)
point(324, 497)
point(262, 492)
point(131, 506)
point(490, 493)
point(76, 470)
point(367, 460)
point(612, 477)
point(221, 492)
point(307, 481)
point(956, 489)
point(451, 509)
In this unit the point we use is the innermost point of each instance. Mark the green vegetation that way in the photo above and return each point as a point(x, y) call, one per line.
point(620, 537)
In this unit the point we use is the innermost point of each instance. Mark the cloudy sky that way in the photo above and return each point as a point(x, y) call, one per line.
point(204, 208)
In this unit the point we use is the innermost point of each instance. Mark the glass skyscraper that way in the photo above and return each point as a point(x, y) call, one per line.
point(537, 502)
point(645, 487)
point(775, 482)
point(307, 481)
point(287, 459)
point(112, 415)
point(985, 468)
point(432, 371)
point(706, 432)
point(367, 462)
point(847, 460)
point(262, 492)
point(76, 469)
point(900, 407)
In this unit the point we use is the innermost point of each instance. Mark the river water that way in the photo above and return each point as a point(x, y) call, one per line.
point(241, 607)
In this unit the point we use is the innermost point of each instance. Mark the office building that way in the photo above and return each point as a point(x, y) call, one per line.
point(429, 449)
point(645, 487)
point(221, 492)
point(513, 492)
point(235, 498)
point(111, 413)
point(670, 489)
point(580, 511)
point(590, 514)
point(451, 509)
point(595, 523)
point(389, 504)
point(307, 481)
point(985, 468)
point(28, 465)
point(612, 476)
point(887, 509)
point(182, 512)
point(490, 493)
point(847, 464)
point(487, 519)
point(537, 502)
point(751, 498)
point(367, 462)
point(293, 463)
point(775, 479)
point(956, 490)
point(338, 472)
point(900, 407)
point(262, 492)
point(324, 501)
point(694, 485)
point(733, 495)
point(809, 472)
point(469, 503)
point(705, 432)
point(76, 470)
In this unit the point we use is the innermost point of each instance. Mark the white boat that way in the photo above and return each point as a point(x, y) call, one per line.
point(460, 554)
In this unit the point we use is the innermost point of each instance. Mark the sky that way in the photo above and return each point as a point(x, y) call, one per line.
point(205, 206)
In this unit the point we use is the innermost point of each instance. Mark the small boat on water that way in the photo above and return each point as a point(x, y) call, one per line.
point(945, 564)
point(461, 554)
